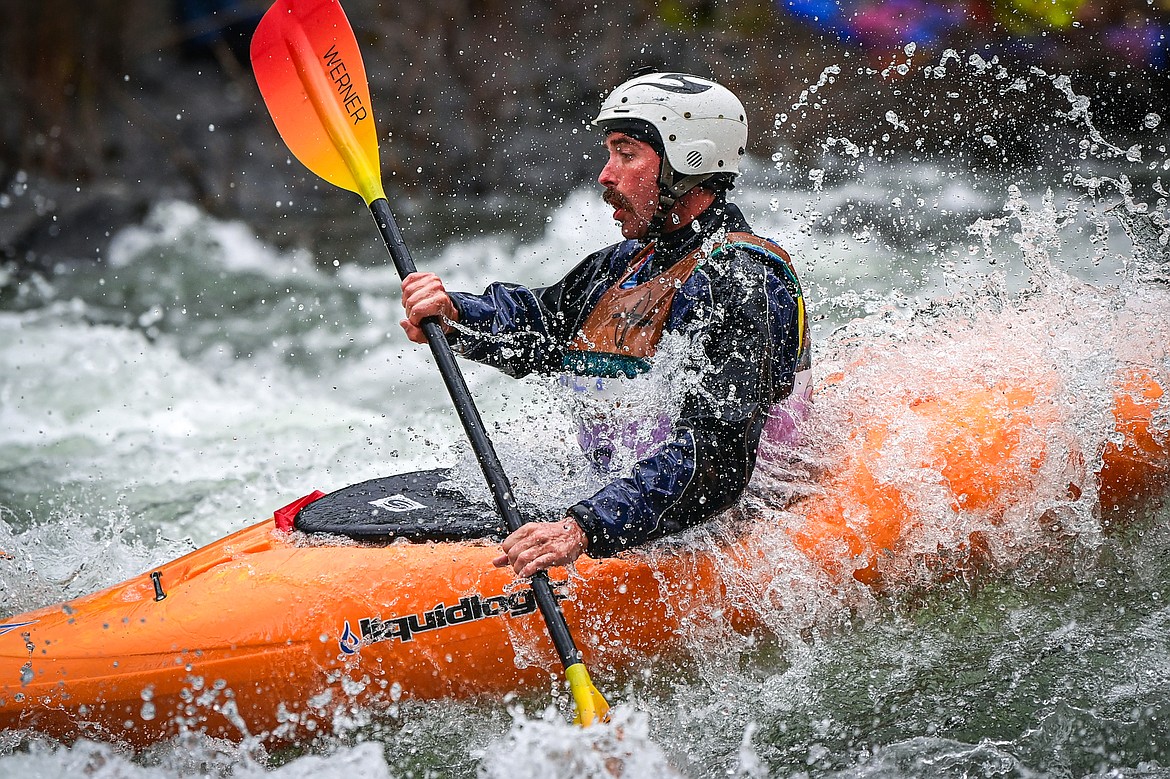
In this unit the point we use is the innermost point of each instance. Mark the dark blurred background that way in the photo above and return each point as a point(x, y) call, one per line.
point(482, 106)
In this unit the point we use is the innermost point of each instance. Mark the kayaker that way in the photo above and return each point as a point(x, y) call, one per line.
point(690, 270)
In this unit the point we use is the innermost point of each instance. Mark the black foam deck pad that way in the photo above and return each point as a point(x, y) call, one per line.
point(408, 505)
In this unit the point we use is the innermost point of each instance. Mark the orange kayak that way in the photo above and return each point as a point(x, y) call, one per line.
point(282, 635)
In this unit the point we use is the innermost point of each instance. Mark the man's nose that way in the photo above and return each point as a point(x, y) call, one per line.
point(607, 178)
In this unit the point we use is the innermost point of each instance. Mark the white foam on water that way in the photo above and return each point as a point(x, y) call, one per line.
point(186, 757)
point(536, 748)
point(185, 229)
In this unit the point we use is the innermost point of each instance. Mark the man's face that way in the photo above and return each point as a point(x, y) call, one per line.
point(630, 178)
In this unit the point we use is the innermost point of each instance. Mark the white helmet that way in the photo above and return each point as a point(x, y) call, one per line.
point(702, 125)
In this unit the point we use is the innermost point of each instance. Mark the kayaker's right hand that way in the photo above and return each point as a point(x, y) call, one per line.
point(423, 296)
point(537, 546)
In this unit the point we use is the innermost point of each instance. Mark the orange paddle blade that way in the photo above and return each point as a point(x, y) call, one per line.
point(310, 72)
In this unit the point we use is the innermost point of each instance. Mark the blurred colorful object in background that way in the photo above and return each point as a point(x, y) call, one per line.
point(826, 14)
point(1140, 41)
point(1028, 15)
point(896, 22)
point(892, 22)
point(1133, 31)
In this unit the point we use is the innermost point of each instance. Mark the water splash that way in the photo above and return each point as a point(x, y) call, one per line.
point(537, 748)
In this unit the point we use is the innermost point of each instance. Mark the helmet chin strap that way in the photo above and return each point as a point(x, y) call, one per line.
point(670, 188)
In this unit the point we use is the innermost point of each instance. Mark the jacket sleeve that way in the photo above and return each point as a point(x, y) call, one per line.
point(748, 340)
point(521, 330)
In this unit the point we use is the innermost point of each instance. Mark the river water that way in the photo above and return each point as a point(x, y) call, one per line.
point(201, 378)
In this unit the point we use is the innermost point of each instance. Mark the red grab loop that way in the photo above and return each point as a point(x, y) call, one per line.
point(285, 516)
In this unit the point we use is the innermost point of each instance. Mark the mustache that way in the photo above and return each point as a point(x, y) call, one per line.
point(617, 199)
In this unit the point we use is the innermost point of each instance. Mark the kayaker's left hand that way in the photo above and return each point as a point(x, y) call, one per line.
point(541, 545)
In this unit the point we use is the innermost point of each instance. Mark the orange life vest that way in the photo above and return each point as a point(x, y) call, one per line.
point(622, 331)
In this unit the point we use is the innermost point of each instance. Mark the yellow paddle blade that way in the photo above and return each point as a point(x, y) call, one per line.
point(309, 69)
point(591, 704)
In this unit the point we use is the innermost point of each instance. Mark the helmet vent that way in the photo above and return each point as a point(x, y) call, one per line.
point(694, 158)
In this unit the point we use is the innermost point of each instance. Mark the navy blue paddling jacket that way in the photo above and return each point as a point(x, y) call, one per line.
point(743, 305)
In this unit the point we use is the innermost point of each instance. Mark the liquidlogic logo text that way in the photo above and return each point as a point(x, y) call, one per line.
point(372, 630)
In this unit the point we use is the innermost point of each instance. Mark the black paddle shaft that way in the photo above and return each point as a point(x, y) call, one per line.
point(485, 453)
